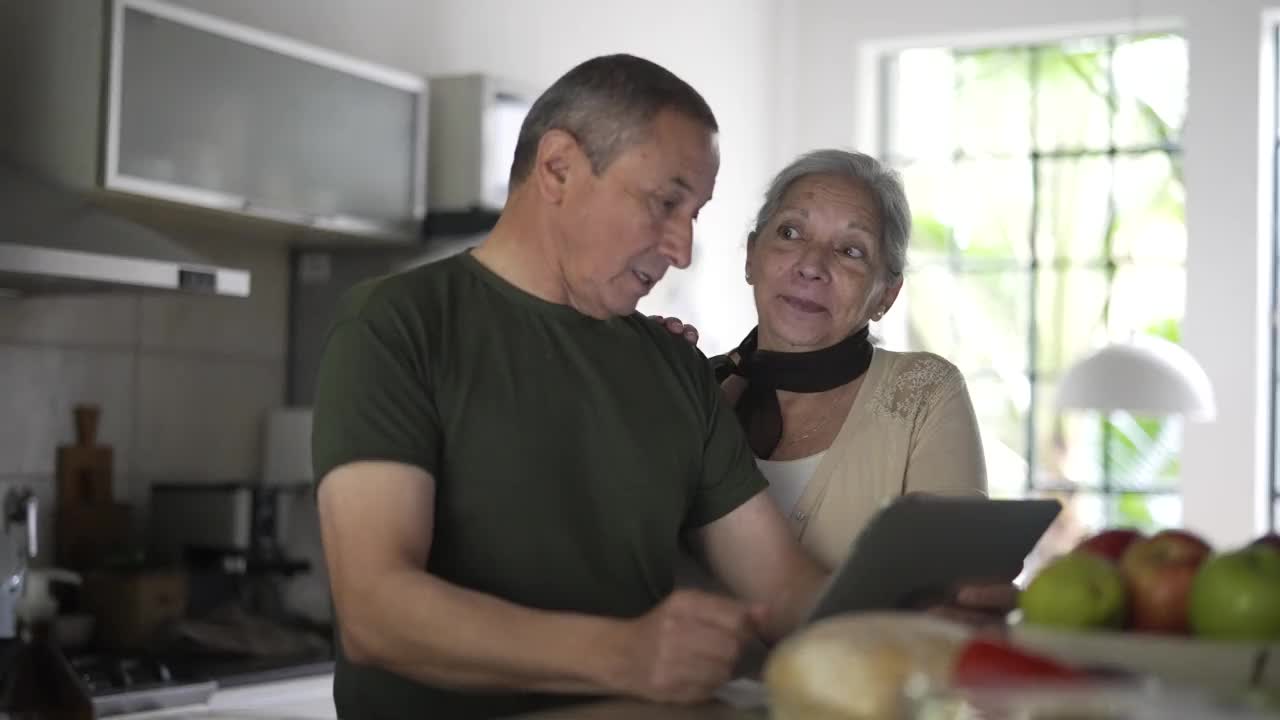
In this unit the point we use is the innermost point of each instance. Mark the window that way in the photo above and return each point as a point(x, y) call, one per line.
point(1273, 509)
point(1046, 184)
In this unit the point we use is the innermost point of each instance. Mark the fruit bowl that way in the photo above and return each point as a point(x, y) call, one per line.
point(1096, 701)
point(1215, 665)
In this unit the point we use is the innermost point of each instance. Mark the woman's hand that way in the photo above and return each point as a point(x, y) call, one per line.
point(982, 604)
point(676, 327)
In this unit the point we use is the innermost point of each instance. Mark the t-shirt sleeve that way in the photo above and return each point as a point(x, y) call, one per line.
point(729, 473)
point(372, 398)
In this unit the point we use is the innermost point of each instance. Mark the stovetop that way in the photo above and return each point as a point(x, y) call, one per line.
point(111, 673)
point(138, 683)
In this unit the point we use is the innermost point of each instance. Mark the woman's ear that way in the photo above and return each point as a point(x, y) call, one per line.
point(888, 297)
point(751, 244)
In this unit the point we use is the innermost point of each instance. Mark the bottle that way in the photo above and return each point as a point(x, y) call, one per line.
point(36, 680)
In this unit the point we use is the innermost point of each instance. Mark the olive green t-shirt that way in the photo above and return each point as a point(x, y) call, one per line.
point(569, 453)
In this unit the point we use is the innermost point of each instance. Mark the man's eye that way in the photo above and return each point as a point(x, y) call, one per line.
point(666, 205)
point(853, 251)
point(786, 232)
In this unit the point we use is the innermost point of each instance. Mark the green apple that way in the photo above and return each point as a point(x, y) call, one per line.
point(1236, 595)
point(1076, 590)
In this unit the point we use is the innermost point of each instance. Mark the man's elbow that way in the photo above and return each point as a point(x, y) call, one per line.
point(359, 642)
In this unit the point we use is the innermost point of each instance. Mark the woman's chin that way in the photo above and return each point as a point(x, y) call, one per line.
point(792, 339)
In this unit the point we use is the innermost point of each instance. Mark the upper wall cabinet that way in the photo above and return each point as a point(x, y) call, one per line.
point(195, 109)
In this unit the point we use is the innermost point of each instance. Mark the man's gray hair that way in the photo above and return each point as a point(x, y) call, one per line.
point(884, 183)
point(607, 104)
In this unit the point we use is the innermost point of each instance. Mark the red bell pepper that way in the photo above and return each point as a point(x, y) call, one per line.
point(988, 662)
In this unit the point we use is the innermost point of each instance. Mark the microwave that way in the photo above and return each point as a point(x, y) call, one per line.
point(472, 130)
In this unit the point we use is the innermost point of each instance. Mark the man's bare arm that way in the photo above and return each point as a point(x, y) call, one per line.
point(377, 525)
point(754, 553)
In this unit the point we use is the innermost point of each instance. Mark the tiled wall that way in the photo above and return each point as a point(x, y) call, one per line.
point(184, 382)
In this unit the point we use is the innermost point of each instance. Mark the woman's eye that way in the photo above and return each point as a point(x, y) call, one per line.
point(786, 232)
point(853, 251)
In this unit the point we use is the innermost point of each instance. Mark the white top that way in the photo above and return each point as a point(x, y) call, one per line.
point(788, 478)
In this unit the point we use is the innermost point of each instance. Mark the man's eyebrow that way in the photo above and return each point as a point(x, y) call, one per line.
point(802, 212)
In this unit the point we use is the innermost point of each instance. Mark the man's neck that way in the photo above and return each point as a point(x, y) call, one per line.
point(520, 250)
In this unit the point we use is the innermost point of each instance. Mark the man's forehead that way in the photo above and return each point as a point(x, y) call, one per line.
point(694, 161)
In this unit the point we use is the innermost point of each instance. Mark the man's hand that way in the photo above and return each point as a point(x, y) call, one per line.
point(685, 648)
point(676, 327)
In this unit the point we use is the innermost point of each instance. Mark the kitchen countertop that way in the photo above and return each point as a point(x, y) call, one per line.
point(235, 674)
point(632, 710)
point(740, 699)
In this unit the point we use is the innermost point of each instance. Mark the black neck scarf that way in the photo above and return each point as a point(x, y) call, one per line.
point(766, 372)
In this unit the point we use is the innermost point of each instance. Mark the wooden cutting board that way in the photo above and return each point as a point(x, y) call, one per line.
point(84, 469)
point(88, 524)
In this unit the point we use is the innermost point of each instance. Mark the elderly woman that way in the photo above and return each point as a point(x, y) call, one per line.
point(839, 426)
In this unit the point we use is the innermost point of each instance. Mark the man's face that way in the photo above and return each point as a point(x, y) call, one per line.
point(621, 230)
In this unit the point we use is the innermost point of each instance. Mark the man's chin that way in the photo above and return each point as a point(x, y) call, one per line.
point(624, 304)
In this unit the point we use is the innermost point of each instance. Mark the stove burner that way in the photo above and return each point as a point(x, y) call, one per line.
point(105, 673)
point(123, 684)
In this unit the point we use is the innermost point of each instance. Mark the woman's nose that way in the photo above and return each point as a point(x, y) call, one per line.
point(813, 263)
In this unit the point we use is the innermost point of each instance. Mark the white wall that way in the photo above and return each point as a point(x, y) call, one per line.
point(724, 48)
point(827, 97)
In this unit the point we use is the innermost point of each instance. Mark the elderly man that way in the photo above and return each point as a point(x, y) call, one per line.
point(510, 456)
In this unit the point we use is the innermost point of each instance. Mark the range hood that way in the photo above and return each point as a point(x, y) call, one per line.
point(54, 240)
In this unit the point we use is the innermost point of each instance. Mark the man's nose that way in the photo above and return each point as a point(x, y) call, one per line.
point(677, 243)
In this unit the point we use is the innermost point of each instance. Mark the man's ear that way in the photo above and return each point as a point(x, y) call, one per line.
point(751, 245)
point(553, 167)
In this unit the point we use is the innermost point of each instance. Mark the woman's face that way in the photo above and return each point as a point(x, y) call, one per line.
point(816, 267)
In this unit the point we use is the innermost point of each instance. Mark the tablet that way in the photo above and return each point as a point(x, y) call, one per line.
point(918, 548)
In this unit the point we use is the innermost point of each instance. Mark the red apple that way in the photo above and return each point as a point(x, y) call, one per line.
point(1112, 543)
point(1158, 573)
point(1272, 539)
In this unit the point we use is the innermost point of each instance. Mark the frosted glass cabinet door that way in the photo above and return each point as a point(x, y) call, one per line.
point(210, 112)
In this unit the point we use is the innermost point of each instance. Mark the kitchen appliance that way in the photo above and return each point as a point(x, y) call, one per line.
point(475, 124)
point(53, 240)
point(287, 459)
point(235, 527)
point(19, 510)
point(133, 683)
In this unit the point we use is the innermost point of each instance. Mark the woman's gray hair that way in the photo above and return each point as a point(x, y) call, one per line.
point(885, 185)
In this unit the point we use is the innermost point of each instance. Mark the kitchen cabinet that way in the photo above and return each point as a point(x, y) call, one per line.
point(160, 101)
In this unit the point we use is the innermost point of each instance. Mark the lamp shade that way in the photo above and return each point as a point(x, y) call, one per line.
point(1148, 375)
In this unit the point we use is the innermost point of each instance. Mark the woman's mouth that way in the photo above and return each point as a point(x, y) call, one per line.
point(803, 305)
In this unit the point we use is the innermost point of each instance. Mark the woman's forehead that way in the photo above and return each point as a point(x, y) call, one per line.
point(832, 195)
